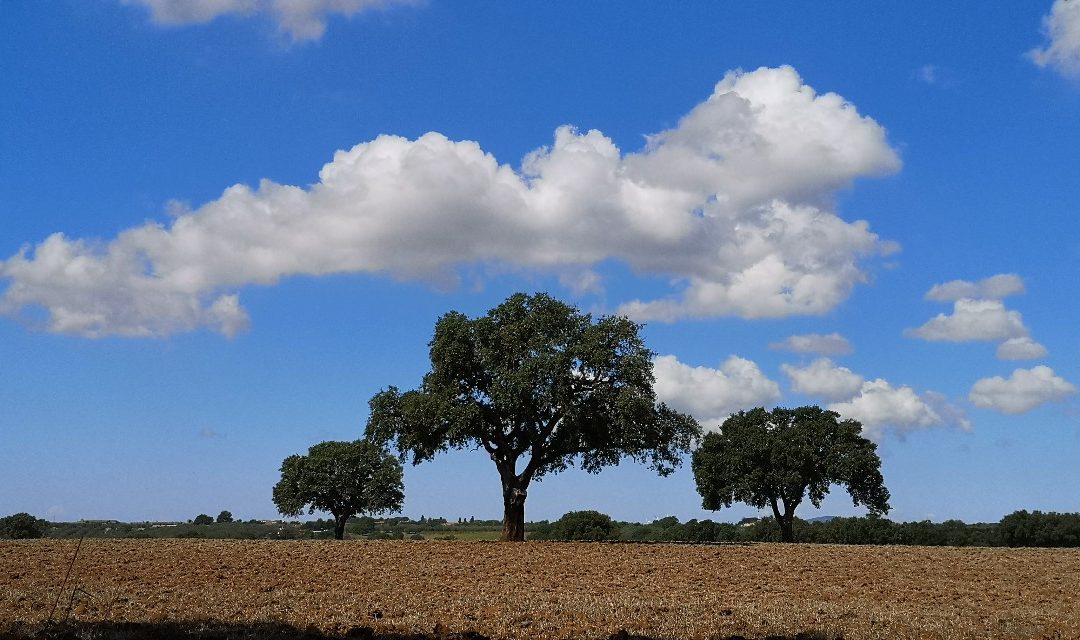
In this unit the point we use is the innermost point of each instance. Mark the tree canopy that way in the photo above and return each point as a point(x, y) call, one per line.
point(539, 387)
point(341, 478)
point(21, 526)
point(777, 458)
point(580, 525)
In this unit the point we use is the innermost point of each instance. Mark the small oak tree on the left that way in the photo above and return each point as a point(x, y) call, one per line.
point(344, 479)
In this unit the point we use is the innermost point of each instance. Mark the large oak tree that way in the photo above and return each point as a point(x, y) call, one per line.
point(539, 387)
point(777, 458)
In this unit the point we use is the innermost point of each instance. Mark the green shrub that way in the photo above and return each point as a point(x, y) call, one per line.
point(580, 525)
point(21, 526)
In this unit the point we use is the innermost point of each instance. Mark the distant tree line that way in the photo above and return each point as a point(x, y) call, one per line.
point(363, 527)
point(225, 517)
point(249, 530)
point(1018, 529)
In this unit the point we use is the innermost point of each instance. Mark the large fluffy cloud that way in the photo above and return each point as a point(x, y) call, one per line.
point(711, 395)
point(1062, 28)
point(1021, 392)
point(979, 315)
point(731, 204)
point(300, 19)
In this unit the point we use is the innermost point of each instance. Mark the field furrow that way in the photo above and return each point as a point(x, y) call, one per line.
point(551, 590)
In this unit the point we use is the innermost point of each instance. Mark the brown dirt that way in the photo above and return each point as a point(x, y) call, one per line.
point(549, 590)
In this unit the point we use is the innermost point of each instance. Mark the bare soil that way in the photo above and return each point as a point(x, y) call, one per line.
point(540, 590)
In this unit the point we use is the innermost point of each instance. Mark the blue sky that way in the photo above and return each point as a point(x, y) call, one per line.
point(226, 224)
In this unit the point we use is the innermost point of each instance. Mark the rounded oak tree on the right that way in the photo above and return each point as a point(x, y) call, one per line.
point(777, 458)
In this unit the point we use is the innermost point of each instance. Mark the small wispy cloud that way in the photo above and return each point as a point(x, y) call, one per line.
point(929, 74)
point(832, 344)
point(995, 287)
point(299, 19)
point(934, 75)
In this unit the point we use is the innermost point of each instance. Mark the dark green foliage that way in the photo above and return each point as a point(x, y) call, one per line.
point(22, 526)
point(232, 530)
point(865, 530)
point(1042, 529)
point(539, 387)
point(777, 458)
point(224, 517)
point(579, 525)
point(1038, 529)
point(250, 530)
point(202, 518)
point(340, 478)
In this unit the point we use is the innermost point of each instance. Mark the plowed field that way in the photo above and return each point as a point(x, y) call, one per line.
point(551, 590)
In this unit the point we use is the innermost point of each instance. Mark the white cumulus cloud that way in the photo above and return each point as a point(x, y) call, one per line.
point(1024, 390)
point(300, 19)
point(971, 320)
point(980, 315)
point(825, 379)
point(879, 406)
point(1062, 29)
point(731, 205)
point(992, 288)
point(711, 395)
point(1020, 349)
point(832, 344)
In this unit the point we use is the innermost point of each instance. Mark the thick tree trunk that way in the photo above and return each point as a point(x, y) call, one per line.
point(513, 511)
point(787, 528)
point(339, 526)
point(785, 519)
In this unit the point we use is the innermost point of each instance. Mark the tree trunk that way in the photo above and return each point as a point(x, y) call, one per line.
point(786, 520)
point(339, 526)
point(787, 528)
point(513, 511)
